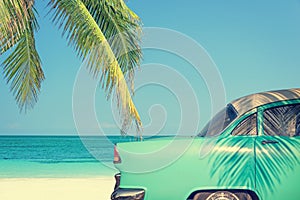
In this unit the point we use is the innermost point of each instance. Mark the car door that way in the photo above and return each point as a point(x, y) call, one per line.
point(232, 160)
point(277, 150)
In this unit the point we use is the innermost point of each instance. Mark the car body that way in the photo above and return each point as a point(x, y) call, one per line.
point(249, 150)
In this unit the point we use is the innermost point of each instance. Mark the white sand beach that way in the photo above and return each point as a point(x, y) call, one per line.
point(56, 188)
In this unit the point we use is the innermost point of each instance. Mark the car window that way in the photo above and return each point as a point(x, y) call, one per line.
point(246, 127)
point(219, 122)
point(282, 121)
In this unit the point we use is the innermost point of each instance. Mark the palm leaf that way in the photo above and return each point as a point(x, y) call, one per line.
point(123, 30)
point(14, 16)
point(87, 29)
point(22, 68)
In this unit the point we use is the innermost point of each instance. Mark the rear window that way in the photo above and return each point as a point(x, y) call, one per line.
point(219, 122)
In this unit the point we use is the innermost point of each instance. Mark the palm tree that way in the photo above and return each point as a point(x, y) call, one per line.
point(106, 33)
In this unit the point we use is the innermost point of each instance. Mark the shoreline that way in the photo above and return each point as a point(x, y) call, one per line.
point(99, 188)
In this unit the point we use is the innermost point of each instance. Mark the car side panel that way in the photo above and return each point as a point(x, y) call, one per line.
point(208, 164)
point(278, 168)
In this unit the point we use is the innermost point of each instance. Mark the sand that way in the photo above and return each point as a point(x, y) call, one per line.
point(56, 188)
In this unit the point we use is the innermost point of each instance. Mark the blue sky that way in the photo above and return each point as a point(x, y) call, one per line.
point(254, 44)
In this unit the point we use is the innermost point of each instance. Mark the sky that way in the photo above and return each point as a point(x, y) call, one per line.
point(255, 46)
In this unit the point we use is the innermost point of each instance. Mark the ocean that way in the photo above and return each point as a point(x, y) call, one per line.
point(57, 156)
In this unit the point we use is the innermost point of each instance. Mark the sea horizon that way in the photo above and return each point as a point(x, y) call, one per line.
point(57, 156)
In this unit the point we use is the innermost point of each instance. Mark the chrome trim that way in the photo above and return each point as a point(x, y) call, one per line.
point(128, 194)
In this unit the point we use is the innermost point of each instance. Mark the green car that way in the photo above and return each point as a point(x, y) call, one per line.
point(248, 151)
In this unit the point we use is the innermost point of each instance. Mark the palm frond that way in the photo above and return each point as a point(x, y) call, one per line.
point(87, 28)
point(13, 20)
point(123, 31)
point(22, 68)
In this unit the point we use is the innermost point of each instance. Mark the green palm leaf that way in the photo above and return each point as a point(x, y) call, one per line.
point(94, 29)
point(14, 15)
point(123, 30)
point(22, 68)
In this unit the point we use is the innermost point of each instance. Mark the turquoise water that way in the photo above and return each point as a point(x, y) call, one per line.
point(57, 156)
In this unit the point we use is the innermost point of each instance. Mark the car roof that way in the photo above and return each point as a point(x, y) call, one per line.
point(246, 103)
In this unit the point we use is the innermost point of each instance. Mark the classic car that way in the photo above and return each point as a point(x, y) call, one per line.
point(248, 151)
